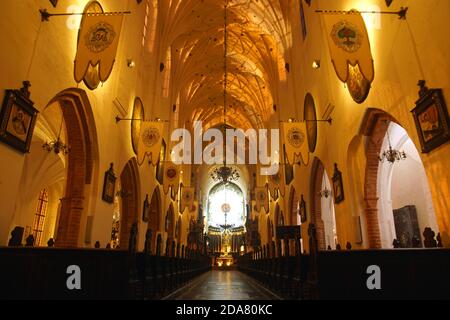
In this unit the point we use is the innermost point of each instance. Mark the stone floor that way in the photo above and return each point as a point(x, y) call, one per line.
point(223, 285)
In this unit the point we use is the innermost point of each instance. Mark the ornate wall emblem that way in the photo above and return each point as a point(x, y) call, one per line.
point(296, 137)
point(171, 173)
point(100, 37)
point(187, 196)
point(150, 136)
point(347, 36)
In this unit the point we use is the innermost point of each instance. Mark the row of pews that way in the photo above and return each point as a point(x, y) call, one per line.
point(350, 274)
point(44, 273)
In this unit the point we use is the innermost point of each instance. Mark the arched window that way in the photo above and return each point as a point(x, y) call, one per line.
point(39, 218)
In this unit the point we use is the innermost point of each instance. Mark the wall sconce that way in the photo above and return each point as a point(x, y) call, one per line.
point(130, 63)
point(316, 64)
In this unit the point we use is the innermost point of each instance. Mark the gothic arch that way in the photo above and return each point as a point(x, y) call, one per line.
point(374, 126)
point(129, 180)
point(318, 171)
point(82, 160)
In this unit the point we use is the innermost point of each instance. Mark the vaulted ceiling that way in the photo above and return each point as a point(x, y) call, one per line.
point(258, 37)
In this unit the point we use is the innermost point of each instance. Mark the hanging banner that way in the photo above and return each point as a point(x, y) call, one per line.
point(295, 141)
point(262, 199)
point(150, 140)
point(349, 44)
point(187, 198)
point(97, 44)
point(171, 177)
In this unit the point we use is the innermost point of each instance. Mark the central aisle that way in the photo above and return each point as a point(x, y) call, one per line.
point(223, 285)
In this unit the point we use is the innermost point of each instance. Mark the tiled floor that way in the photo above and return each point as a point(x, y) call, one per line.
point(223, 285)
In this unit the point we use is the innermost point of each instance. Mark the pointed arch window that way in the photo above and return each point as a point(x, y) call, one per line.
point(39, 218)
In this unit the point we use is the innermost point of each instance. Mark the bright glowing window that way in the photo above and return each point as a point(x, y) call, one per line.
point(39, 218)
point(166, 79)
point(231, 197)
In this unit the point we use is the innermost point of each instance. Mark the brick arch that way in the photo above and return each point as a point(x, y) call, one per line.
point(129, 181)
point(293, 206)
point(155, 214)
point(374, 126)
point(82, 158)
point(318, 170)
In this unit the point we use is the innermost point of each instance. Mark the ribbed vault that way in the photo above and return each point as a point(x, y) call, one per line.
point(258, 37)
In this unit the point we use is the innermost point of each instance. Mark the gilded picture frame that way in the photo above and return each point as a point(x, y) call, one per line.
point(109, 185)
point(146, 210)
point(302, 210)
point(338, 187)
point(17, 120)
point(431, 119)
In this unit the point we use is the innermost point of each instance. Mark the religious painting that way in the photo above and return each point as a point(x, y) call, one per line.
point(338, 188)
point(302, 210)
point(146, 210)
point(303, 20)
point(432, 119)
point(17, 119)
point(310, 118)
point(160, 164)
point(109, 185)
point(137, 118)
point(357, 84)
point(288, 168)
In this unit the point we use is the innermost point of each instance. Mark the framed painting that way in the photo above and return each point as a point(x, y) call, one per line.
point(303, 20)
point(302, 210)
point(160, 164)
point(17, 119)
point(146, 210)
point(310, 117)
point(109, 185)
point(431, 119)
point(137, 118)
point(288, 168)
point(338, 188)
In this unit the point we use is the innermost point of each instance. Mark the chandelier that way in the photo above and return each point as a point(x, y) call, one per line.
point(392, 155)
point(225, 173)
point(57, 146)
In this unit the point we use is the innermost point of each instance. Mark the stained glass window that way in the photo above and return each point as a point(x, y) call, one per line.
point(39, 218)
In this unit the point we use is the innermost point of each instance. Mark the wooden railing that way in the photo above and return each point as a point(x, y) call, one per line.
point(41, 273)
point(404, 273)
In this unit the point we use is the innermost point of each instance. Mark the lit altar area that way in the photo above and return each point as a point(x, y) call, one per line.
point(226, 224)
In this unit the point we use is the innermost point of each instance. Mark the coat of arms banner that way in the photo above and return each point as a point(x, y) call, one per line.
point(97, 44)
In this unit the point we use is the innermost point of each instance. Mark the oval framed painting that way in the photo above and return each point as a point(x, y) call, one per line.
point(358, 86)
point(137, 117)
point(310, 117)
